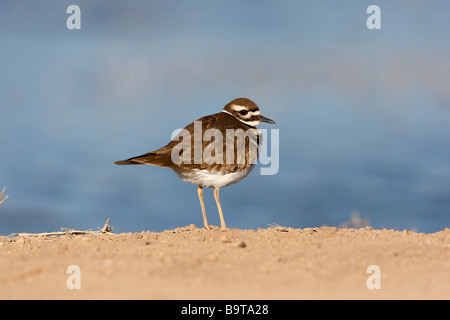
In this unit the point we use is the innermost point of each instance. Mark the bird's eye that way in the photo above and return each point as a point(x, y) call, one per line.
point(243, 112)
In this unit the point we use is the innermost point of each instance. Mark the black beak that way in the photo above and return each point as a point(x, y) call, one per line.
point(264, 119)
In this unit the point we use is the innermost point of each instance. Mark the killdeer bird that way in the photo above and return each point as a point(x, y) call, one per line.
point(213, 152)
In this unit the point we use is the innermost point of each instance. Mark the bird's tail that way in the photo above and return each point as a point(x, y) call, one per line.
point(129, 161)
point(157, 158)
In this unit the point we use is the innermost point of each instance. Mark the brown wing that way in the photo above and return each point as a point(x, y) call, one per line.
point(193, 159)
point(242, 157)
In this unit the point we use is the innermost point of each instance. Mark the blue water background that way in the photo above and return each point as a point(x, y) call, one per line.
point(363, 115)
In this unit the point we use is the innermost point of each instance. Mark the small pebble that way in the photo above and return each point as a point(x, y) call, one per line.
point(240, 244)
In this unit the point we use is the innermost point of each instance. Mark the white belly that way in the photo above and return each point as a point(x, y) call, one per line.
point(210, 179)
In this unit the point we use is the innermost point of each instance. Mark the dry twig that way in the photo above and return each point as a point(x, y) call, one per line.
point(356, 221)
point(278, 227)
point(1, 195)
point(106, 228)
point(65, 231)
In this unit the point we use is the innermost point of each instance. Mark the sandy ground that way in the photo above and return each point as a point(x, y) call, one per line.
point(193, 263)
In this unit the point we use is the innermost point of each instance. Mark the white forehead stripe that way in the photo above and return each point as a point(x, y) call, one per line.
point(238, 108)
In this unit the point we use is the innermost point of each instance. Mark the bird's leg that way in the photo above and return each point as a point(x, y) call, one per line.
point(202, 204)
point(219, 207)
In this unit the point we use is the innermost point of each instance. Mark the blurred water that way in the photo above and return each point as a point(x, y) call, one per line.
point(363, 115)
